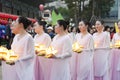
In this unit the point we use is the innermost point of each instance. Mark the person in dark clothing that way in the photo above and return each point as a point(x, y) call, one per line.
point(50, 32)
point(0, 37)
point(8, 33)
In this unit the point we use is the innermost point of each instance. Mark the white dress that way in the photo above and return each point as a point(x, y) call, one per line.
point(60, 68)
point(101, 56)
point(85, 59)
point(42, 65)
point(23, 68)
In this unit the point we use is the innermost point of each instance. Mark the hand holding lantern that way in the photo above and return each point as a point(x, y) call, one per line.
point(12, 58)
point(117, 44)
point(50, 52)
point(40, 50)
point(3, 53)
point(76, 47)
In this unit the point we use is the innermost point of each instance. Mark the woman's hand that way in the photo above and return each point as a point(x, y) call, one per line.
point(10, 62)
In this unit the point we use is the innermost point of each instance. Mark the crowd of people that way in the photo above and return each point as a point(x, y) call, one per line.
point(97, 60)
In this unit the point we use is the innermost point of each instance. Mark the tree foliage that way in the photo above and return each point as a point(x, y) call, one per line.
point(35, 3)
point(101, 8)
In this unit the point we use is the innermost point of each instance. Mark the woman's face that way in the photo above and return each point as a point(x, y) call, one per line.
point(74, 30)
point(82, 27)
point(38, 28)
point(16, 26)
point(119, 24)
point(58, 28)
point(98, 26)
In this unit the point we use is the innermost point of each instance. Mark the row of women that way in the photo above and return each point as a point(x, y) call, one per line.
point(99, 63)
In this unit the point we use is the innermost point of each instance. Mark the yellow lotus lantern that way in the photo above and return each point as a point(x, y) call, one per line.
point(95, 45)
point(117, 44)
point(11, 57)
point(40, 50)
point(50, 52)
point(3, 53)
point(76, 47)
point(111, 45)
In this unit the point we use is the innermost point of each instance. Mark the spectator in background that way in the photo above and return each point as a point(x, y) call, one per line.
point(50, 31)
point(2, 33)
point(107, 28)
point(72, 33)
point(0, 37)
point(112, 32)
point(8, 33)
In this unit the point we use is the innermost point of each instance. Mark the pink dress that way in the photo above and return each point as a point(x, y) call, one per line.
point(42, 65)
point(115, 59)
point(82, 65)
point(60, 68)
point(23, 68)
point(101, 56)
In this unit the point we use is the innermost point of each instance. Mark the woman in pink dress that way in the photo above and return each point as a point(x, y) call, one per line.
point(115, 57)
point(83, 62)
point(23, 45)
point(42, 65)
point(102, 52)
point(62, 43)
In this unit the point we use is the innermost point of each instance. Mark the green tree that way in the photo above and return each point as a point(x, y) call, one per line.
point(64, 12)
point(99, 8)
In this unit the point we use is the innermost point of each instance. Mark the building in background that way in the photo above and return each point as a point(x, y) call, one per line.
point(114, 14)
point(17, 7)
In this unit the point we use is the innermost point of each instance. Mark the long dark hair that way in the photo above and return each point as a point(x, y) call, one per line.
point(62, 23)
point(101, 21)
point(24, 21)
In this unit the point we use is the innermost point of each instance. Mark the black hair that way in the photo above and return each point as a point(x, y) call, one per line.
point(113, 29)
point(43, 23)
point(106, 27)
point(101, 21)
point(86, 22)
point(71, 29)
point(62, 23)
point(10, 19)
point(24, 21)
point(67, 22)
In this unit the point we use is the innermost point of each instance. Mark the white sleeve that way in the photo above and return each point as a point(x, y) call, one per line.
point(47, 41)
point(29, 50)
point(67, 50)
point(107, 41)
point(91, 44)
point(113, 40)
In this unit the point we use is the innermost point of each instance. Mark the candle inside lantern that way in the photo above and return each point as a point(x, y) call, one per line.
point(76, 47)
point(95, 45)
point(3, 52)
point(12, 56)
point(117, 44)
point(40, 49)
point(50, 52)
